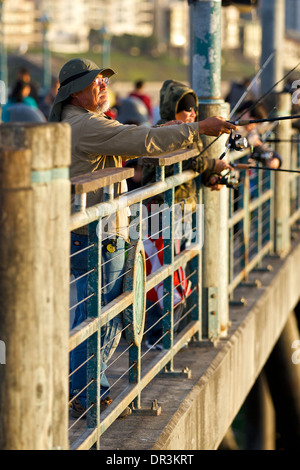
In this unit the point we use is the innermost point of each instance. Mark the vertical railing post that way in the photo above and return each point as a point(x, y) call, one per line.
point(94, 311)
point(196, 263)
point(60, 190)
point(34, 286)
point(206, 81)
point(168, 302)
point(223, 306)
point(282, 180)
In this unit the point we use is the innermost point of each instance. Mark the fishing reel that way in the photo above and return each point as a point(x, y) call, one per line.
point(235, 142)
point(229, 180)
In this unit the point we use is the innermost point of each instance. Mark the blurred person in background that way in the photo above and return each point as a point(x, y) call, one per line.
point(24, 76)
point(139, 93)
point(47, 102)
point(21, 106)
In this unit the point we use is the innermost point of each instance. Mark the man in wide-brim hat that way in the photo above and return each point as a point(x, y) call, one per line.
point(75, 75)
point(99, 142)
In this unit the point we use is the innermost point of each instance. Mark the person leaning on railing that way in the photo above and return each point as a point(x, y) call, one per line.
point(177, 102)
point(99, 142)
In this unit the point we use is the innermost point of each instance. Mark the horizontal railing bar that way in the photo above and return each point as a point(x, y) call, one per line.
point(240, 214)
point(89, 326)
point(239, 278)
point(93, 213)
point(169, 159)
point(82, 332)
point(85, 441)
point(237, 155)
point(294, 217)
point(116, 306)
point(162, 273)
point(150, 372)
point(88, 437)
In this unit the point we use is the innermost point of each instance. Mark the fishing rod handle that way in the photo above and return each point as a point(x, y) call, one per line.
point(241, 166)
point(242, 122)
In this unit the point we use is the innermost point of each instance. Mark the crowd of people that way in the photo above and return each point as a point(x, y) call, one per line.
point(25, 102)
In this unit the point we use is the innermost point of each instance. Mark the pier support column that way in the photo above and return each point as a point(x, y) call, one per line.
point(34, 285)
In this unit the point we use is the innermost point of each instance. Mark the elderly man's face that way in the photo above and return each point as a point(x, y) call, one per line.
point(94, 97)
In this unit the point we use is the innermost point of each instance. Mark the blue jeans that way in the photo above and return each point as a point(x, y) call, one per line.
point(153, 322)
point(112, 281)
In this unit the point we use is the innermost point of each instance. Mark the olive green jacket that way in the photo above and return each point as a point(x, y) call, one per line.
point(170, 94)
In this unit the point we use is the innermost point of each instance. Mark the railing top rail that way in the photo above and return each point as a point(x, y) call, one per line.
point(99, 179)
point(90, 214)
point(170, 158)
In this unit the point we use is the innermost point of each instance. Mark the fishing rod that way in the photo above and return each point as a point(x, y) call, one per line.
point(254, 104)
point(269, 91)
point(293, 141)
point(239, 142)
point(242, 98)
point(246, 166)
point(245, 122)
point(251, 84)
point(231, 181)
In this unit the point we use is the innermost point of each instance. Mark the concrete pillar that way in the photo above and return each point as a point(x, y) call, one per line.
point(260, 417)
point(206, 81)
point(273, 33)
point(34, 285)
point(206, 48)
point(283, 375)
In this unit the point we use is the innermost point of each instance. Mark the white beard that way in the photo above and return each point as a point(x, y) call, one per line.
point(102, 108)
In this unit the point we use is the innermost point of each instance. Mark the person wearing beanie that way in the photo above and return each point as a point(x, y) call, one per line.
point(177, 102)
point(99, 142)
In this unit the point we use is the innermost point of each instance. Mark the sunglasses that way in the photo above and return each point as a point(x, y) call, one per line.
point(191, 108)
point(101, 81)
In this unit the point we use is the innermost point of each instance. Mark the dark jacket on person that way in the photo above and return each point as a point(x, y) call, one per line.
point(171, 94)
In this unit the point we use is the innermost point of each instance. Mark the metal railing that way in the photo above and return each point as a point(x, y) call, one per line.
point(36, 204)
point(294, 179)
point(251, 216)
point(168, 269)
point(151, 263)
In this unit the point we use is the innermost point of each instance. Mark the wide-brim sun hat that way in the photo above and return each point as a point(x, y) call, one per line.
point(75, 75)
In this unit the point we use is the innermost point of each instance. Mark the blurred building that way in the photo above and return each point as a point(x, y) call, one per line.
point(230, 34)
point(292, 15)
point(67, 29)
point(241, 31)
point(70, 23)
point(119, 17)
point(19, 22)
